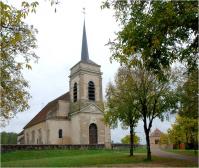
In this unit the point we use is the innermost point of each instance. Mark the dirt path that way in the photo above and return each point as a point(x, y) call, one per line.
point(161, 153)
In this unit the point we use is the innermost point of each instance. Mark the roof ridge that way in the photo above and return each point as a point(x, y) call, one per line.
point(41, 115)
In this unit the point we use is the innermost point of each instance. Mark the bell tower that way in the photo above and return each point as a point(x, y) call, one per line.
point(85, 80)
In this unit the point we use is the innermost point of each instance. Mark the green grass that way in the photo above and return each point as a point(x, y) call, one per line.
point(77, 158)
point(183, 152)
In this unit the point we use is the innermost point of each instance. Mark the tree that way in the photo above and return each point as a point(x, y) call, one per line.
point(155, 98)
point(8, 138)
point(161, 32)
point(17, 51)
point(121, 103)
point(189, 96)
point(150, 97)
point(176, 135)
point(164, 139)
point(184, 130)
point(18, 41)
point(126, 139)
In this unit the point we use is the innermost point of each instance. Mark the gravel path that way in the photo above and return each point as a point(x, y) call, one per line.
point(161, 153)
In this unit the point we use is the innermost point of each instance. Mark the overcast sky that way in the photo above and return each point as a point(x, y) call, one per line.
point(59, 48)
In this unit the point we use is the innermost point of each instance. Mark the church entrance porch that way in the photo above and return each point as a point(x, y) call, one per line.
point(93, 134)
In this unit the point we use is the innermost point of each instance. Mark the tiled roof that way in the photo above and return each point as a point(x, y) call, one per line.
point(156, 133)
point(41, 116)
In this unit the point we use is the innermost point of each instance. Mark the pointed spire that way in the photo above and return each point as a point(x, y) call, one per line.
point(84, 53)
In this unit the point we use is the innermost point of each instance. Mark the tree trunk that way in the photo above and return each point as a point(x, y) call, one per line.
point(131, 140)
point(148, 145)
point(194, 144)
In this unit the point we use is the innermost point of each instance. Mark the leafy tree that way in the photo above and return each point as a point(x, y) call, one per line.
point(164, 139)
point(8, 138)
point(126, 139)
point(155, 98)
point(17, 52)
point(176, 135)
point(150, 97)
point(189, 96)
point(17, 44)
point(161, 32)
point(184, 130)
point(121, 103)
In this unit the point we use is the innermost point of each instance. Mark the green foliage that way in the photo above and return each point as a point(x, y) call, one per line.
point(149, 97)
point(17, 44)
point(18, 41)
point(120, 100)
point(160, 32)
point(8, 138)
point(189, 96)
point(121, 103)
point(164, 139)
point(126, 139)
point(184, 130)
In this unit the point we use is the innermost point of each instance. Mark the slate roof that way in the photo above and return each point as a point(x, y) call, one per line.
point(156, 133)
point(41, 116)
point(84, 53)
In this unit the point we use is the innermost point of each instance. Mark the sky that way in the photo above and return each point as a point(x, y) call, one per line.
point(59, 48)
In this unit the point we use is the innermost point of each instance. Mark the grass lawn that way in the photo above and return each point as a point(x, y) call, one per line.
point(184, 152)
point(77, 158)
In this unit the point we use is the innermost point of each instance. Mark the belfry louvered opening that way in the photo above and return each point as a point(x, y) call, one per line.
point(91, 91)
point(75, 92)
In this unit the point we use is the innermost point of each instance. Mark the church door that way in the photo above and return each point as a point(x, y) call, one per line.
point(93, 134)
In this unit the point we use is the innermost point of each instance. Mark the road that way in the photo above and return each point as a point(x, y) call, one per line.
point(161, 153)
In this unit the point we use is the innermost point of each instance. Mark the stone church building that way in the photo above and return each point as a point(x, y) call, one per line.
point(75, 117)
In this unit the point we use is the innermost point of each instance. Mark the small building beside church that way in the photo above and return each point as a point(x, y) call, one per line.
point(155, 138)
point(76, 117)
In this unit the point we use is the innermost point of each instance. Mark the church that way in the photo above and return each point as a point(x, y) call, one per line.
point(75, 117)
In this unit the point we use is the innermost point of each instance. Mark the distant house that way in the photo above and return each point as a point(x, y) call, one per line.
point(75, 117)
point(155, 138)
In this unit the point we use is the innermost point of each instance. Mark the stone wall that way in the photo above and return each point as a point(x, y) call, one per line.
point(7, 148)
point(36, 134)
point(155, 142)
point(53, 127)
point(81, 121)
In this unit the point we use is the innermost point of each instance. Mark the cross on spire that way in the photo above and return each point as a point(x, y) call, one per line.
point(84, 11)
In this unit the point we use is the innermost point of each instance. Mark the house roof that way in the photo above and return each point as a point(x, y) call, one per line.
point(41, 116)
point(156, 133)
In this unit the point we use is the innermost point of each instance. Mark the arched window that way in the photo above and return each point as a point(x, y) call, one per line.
point(75, 92)
point(91, 91)
point(93, 134)
point(60, 133)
